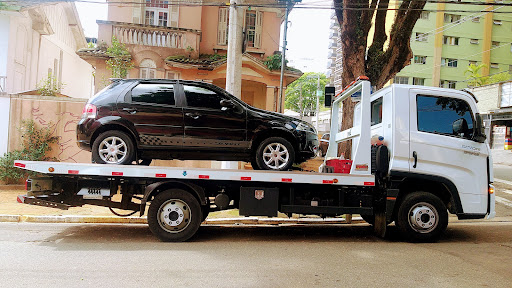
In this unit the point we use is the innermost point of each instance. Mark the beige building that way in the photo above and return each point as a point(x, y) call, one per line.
point(172, 41)
point(36, 40)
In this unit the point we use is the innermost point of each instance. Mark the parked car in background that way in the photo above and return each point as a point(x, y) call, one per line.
point(324, 145)
point(140, 120)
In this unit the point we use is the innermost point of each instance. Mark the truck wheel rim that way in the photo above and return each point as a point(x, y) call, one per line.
point(276, 156)
point(174, 215)
point(112, 150)
point(423, 217)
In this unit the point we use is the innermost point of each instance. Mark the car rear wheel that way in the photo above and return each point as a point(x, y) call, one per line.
point(275, 153)
point(113, 147)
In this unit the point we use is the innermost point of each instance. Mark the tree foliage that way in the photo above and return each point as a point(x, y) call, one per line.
point(476, 79)
point(273, 62)
point(49, 86)
point(307, 83)
point(121, 60)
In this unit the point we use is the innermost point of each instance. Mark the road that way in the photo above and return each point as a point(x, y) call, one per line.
point(471, 254)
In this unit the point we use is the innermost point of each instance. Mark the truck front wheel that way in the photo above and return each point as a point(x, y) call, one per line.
point(174, 215)
point(422, 217)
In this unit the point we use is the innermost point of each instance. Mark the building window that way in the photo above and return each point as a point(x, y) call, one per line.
point(497, 22)
point(495, 65)
point(253, 27)
point(450, 18)
point(472, 63)
point(420, 59)
point(147, 69)
point(418, 81)
point(450, 40)
point(448, 84)
point(424, 15)
point(495, 44)
point(161, 13)
point(253, 24)
point(421, 37)
point(473, 41)
point(476, 19)
point(449, 62)
point(401, 80)
point(172, 75)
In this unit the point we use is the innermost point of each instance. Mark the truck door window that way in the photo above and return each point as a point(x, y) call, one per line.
point(437, 115)
point(154, 94)
point(376, 111)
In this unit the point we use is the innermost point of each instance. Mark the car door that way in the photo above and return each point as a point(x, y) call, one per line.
point(210, 126)
point(437, 150)
point(152, 109)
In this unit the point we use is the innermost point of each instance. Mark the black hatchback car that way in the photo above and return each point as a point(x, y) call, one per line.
point(140, 120)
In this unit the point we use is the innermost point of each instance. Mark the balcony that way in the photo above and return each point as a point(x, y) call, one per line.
point(148, 35)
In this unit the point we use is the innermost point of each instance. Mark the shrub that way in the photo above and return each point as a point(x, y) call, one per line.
point(36, 143)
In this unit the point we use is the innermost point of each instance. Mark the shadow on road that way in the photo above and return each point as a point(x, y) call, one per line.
point(126, 237)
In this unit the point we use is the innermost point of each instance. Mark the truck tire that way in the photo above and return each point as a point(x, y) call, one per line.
point(275, 153)
point(113, 147)
point(174, 215)
point(422, 217)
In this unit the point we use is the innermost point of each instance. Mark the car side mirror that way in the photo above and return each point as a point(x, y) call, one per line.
point(460, 126)
point(225, 103)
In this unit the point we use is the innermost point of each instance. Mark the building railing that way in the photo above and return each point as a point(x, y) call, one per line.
point(149, 35)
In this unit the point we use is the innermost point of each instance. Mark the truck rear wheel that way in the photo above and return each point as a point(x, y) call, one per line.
point(422, 217)
point(174, 215)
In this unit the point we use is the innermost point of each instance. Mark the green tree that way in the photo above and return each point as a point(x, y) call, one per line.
point(120, 61)
point(474, 77)
point(305, 87)
point(500, 77)
point(49, 86)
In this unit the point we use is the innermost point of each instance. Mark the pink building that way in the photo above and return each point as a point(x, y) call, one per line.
point(173, 41)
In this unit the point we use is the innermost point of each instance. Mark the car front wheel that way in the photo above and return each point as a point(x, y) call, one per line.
point(275, 153)
point(113, 147)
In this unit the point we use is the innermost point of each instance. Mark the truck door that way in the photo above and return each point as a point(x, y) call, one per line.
point(441, 132)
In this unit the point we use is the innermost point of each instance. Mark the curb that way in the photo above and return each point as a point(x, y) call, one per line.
point(143, 220)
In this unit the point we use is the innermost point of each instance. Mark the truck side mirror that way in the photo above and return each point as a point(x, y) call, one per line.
point(329, 96)
point(460, 126)
point(479, 135)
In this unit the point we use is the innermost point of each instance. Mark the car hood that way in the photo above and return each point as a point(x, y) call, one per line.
point(275, 115)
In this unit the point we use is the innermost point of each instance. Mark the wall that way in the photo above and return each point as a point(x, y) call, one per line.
point(4, 43)
point(62, 115)
point(488, 97)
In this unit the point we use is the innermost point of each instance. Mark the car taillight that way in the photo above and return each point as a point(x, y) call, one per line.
point(89, 111)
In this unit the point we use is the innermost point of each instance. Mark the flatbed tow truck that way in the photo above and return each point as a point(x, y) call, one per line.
point(414, 175)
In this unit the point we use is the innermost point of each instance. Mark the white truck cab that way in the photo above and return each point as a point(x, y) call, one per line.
point(435, 141)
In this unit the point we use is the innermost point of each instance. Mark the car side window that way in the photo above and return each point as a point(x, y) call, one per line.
point(376, 111)
point(154, 93)
point(202, 97)
point(438, 114)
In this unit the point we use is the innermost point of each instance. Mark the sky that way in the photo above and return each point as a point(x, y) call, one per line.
point(308, 33)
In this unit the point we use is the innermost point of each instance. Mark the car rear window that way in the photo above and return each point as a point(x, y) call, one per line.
point(154, 94)
point(112, 90)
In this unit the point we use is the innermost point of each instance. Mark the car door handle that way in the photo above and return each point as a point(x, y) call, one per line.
point(130, 110)
point(415, 156)
point(194, 116)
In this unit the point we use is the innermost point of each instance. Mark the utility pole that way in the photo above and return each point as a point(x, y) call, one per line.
point(234, 59)
point(300, 103)
point(280, 102)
